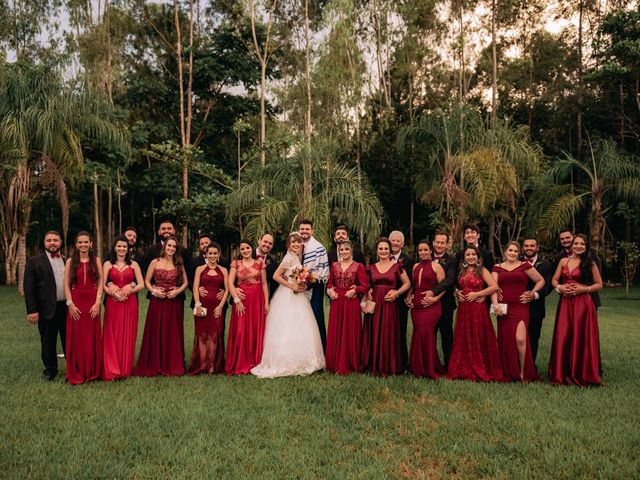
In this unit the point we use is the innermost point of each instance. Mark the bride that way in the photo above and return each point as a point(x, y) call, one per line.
point(292, 343)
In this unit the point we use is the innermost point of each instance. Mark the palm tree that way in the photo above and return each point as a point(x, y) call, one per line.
point(47, 124)
point(309, 183)
point(604, 176)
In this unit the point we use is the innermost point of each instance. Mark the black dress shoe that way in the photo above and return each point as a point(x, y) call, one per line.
point(49, 376)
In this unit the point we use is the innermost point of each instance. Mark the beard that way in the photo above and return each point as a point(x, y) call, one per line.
point(52, 249)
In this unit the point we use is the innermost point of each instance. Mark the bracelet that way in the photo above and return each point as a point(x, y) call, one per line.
point(558, 289)
point(69, 303)
point(198, 304)
point(236, 300)
point(133, 284)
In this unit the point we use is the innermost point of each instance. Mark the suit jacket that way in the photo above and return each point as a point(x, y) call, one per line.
point(595, 296)
point(333, 256)
point(40, 286)
point(271, 265)
point(450, 265)
point(544, 268)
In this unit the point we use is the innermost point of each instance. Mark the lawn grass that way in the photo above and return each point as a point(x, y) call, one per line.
point(322, 426)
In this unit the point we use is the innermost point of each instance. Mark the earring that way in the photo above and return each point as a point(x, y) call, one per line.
point(465, 264)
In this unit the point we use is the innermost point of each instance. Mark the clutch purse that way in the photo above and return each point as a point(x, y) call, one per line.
point(498, 309)
point(367, 306)
point(202, 311)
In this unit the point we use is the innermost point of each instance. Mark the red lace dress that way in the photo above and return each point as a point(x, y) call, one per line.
point(208, 343)
point(120, 328)
point(575, 350)
point(381, 354)
point(423, 355)
point(84, 341)
point(344, 338)
point(513, 284)
point(246, 331)
point(162, 350)
point(474, 355)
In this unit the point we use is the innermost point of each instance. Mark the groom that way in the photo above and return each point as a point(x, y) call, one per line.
point(315, 260)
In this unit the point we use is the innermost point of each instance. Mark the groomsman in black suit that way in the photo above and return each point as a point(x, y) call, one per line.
point(566, 240)
point(45, 301)
point(530, 252)
point(132, 239)
point(397, 242)
point(448, 301)
point(263, 252)
point(341, 235)
point(166, 229)
point(472, 237)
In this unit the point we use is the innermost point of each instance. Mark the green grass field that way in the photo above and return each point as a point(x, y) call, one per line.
point(322, 426)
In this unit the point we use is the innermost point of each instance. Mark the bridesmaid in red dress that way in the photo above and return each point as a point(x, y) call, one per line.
point(248, 315)
point(512, 277)
point(425, 315)
point(209, 281)
point(124, 280)
point(162, 350)
point(381, 354)
point(474, 355)
point(347, 282)
point(83, 291)
point(575, 350)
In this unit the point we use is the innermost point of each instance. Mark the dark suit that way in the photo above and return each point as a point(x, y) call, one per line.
point(448, 302)
point(40, 297)
point(333, 256)
point(154, 252)
point(407, 263)
point(537, 307)
point(271, 266)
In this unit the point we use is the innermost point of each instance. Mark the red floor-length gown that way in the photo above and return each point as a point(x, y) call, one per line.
point(162, 350)
point(474, 355)
point(513, 284)
point(423, 354)
point(575, 350)
point(208, 343)
point(381, 350)
point(246, 331)
point(120, 327)
point(84, 341)
point(344, 337)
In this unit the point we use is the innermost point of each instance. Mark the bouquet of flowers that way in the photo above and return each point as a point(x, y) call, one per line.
point(303, 276)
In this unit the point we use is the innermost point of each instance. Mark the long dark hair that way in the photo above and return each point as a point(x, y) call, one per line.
point(586, 261)
point(253, 250)
point(75, 259)
point(177, 258)
point(462, 268)
point(113, 256)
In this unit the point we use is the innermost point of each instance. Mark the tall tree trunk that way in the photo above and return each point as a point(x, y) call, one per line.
point(119, 186)
point(96, 213)
point(109, 238)
point(494, 69)
point(580, 92)
point(109, 68)
point(307, 126)
point(22, 257)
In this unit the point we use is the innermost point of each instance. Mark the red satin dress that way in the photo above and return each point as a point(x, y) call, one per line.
point(84, 340)
point(120, 328)
point(208, 343)
point(575, 350)
point(344, 337)
point(246, 331)
point(423, 354)
point(474, 355)
point(381, 347)
point(162, 350)
point(513, 284)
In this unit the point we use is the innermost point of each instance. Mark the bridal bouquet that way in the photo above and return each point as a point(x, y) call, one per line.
point(303, 276)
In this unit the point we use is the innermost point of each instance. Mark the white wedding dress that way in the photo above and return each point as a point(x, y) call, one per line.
point(292, 343)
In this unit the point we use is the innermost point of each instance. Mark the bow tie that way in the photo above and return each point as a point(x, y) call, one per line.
point(437, 257)
point(261, 257)
point(55, 255)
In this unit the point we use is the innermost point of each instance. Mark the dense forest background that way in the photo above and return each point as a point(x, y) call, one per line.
point(242, 116)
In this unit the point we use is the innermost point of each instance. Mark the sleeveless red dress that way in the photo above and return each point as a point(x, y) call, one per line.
point(423, 354)
point(246, 331)
point(575, 350)
point(513, 284)
point(208, 343)
point(344, 337)
point(84, 341)
point(162, 350)
point(474, 355)
point(381, 347)
point(120, 328)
